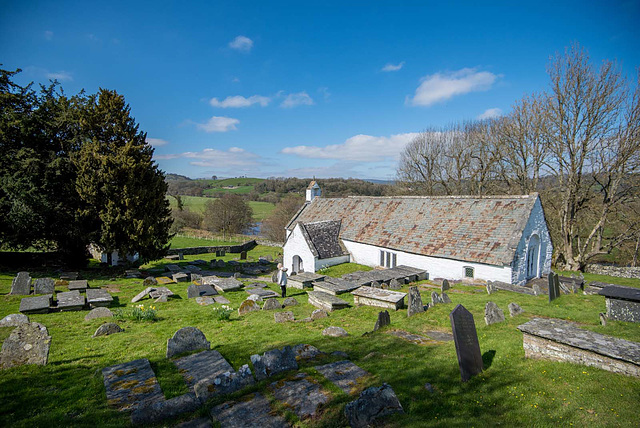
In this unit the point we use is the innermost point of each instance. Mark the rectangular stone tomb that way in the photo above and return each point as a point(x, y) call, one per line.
point(304, 280)
point(69, 276)
point(421, 274)
point(70, 301)
point(163, 280)
point(343, 374)
point(131, 385)
point(192, 268)
point(623, 304)
point(250, 411)
point(334, 286)
point(326, 301)
point(262, 292)
point(80, 285)
point(159, 292)
point(224, 285)
point(173, 268)
point(378, 297)
point(558, 340)
point(194, 291)
point(36, 305)
point(206, 364)
point(97, 297)
point(180, 277)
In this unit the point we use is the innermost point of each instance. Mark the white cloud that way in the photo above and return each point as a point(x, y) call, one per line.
point(393, 67)
point(157, 142)
point(48, 35)
point(360, 148)
point(219, 124)
point(61, 76)
point(297, 99)
point(234, 157)
point(490, 114)
point(241, 43)
point(240, 101)
point(442, 86)
point(325, 92)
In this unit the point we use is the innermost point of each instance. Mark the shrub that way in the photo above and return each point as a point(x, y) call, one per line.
point(223, 313)
point(137, 313)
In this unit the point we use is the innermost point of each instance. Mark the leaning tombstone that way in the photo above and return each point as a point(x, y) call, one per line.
point(435, 298)
point(465, 338)
point(444, 298)
point(445, 285)
point(554, 286)
point(384, 319)
point(415, 302)
point(21, 284)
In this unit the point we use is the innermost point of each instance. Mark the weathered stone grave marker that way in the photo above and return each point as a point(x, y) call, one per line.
point(273, 362)
point(445, 285)
point(554, 286)
point(27, 344)
point(36, 305)
point(185, 340)
point(415, 302)
point(97, 297)
point(373, 403)
point(343, 374)
point(70, 301)
point(21, 284)
point(243, 255)
point(493, 314)
point(44, 286)
point(302, 395)
point(79, 284)
point(465, 338)
point(384, 319)
point(623, 304)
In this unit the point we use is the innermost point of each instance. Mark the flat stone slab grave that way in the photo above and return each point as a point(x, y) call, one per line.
point(301, 395)
point(163, 280)
point(206, 364)
point(224, 285)
point(36, 305)
point(558, 340)
point(343, 374)
point(264, 293)
point(411, 337)
point(326, 301)
point(304, 280)
point(334, 286)
point(97, 297)
point(623, 304)
point(70, 300)
point(131, 385)
point(79, 284)
point(378, 297)
point(251, 411)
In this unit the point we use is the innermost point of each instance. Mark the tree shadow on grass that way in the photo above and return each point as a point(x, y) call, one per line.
point(487, 359)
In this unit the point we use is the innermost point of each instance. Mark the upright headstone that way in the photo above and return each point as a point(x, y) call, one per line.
point(44, 286)
point(444, 298)
point(554, 286)
point(466, 341)
point(415, 302)
point(383, 319)
point(243, 255)
point(27, 344)
point(445, 285)
point(21, 284)
point(493, 314)
point(185, 340)
point(435, 298)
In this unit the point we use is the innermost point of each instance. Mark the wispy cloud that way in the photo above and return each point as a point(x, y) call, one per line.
point(219, 124)
point(48, 35)
point(238, 101)
point(338, 169)
point(157, 142)
point(297, 99)
point(439, 87)
point(359, 148)
point(490, 114)
point(62, 76)
point(234, 157)
point(393, 67)
point(241, 43)
point(324, 91)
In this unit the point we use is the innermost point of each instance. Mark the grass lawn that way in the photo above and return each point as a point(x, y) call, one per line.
point(512, 391)
point(186, 241)
point(261, 210)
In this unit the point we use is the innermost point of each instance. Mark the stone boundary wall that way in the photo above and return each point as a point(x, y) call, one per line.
point(249, 245)
point(270, 243)
point(619, 271)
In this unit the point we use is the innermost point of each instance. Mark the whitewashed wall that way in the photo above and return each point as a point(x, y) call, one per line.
point(296, 245)
point(369, 255)
point(536, 225)
point(322, 263)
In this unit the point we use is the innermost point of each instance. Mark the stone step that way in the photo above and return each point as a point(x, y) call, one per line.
point(326, 301)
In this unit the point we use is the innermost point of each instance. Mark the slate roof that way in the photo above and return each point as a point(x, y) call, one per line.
point(483, 230)
point(322, 237)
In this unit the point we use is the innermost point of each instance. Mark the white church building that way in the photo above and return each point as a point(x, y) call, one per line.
point(498, 238)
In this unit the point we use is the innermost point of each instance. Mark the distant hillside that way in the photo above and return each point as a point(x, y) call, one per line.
point(171, 176)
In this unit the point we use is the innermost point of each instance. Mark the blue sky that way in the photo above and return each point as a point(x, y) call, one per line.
point(325, 89)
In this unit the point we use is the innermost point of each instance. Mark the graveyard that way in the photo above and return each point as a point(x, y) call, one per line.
point(364, 345)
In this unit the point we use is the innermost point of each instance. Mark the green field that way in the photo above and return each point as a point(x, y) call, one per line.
point(187, 241)
point(512, 390)
point(237, 185)
point(261, 210)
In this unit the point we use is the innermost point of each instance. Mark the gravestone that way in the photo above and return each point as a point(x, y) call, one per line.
point(444, 298)
point(515, 309)
point(306, 352)
point(302, 395)
point(536, 290)
point(248, 306)
point(14, 320)
point(493, 314)
point(79, 284)
point(200, 290)
point(21, 284)
point(319, 314)
point(221, 299)
point(150, 281)
point(44, 286)
point(252, 411)
point(262, 292)
point(378, 297)
point(334, 332)
point(142, 294)
point(623, 303)
point(27, 344)
point(69, 276)
point(205, 301)
point(435, 298)
point(107, 329)
point(159, 292)
point(343, 374)
point(180, 277)
point(554, 286)
point(465, 338)
point(131, 385)
point(225, 383)
point(70, 301)
point(186, 339)
point(326, 301)
point(243, 255)
point(273, 362)
point(290, 301)
point(286, 316)
point(255, 298)
point(372, 404)
point(445, 285)
point(384, 319)
point(201, 365)
point(97, 297)
point(415, 305)
point(36, 305)
point(394, 284)
point(98, 313)
point(271, 304)
point(164, 280)
point(173, 268)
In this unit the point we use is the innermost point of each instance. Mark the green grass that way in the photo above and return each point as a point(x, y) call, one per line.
point(588, 277)
point(261, 210)
point(186, 241)
point(342, 269)
point(512, 391)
